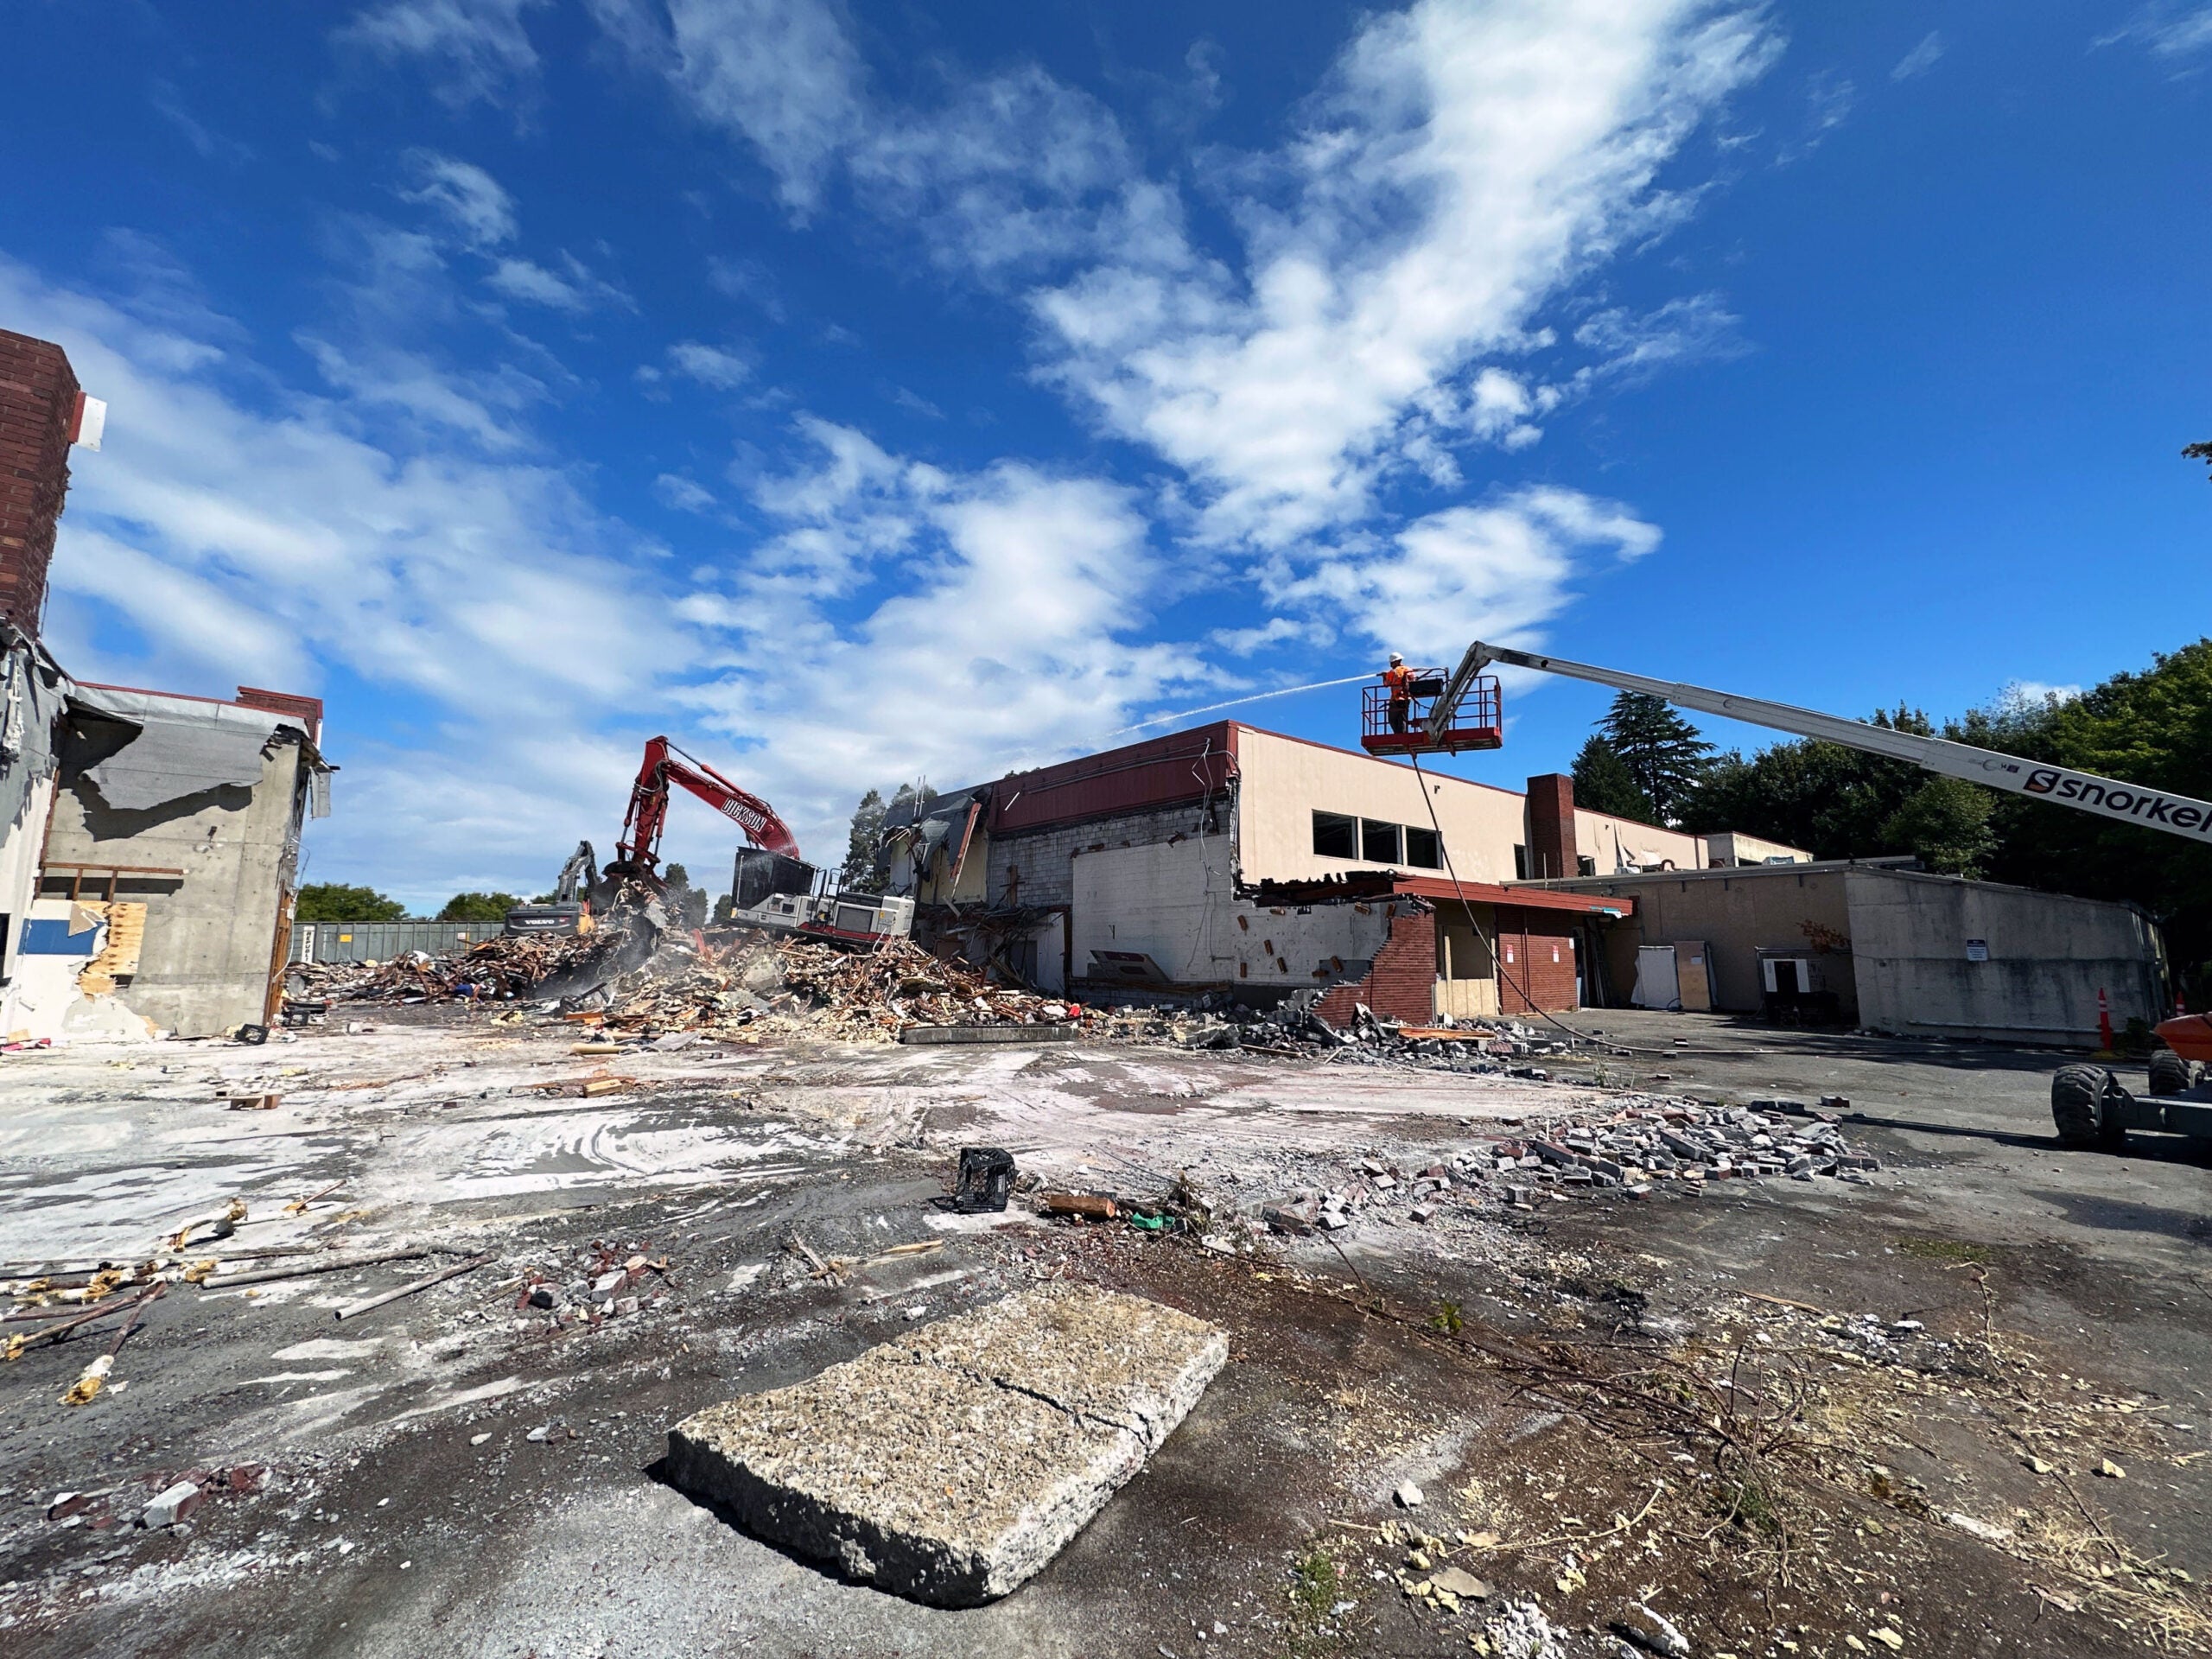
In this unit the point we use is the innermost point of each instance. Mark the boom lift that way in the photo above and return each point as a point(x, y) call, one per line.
point(2088, 1103)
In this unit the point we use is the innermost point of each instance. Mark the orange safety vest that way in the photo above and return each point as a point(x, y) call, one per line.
point(1401, 682)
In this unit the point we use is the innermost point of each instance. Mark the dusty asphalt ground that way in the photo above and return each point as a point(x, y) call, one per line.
point(407, 1512)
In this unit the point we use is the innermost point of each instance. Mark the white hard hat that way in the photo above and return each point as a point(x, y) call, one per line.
point(1395, 657)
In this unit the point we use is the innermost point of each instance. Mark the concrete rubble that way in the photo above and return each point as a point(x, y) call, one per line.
point(950, 1466)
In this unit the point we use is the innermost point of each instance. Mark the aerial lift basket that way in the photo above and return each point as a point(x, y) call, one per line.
point(1479, 721)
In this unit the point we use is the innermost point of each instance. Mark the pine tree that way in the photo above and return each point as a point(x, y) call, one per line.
point(860, 846)
point(1661, 750)
point(1604, 784)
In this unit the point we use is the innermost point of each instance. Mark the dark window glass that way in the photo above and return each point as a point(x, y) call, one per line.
point(1378, 842)
point(1521, 863)
point(1336, 835)
point(1423, 850)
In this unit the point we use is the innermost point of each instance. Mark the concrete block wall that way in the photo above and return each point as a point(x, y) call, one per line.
point(1402, 985)
point(1161, 899)
point(38, 400)
point(1045, 857)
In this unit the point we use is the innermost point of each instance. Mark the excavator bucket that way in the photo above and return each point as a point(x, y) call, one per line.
point(1394, 728)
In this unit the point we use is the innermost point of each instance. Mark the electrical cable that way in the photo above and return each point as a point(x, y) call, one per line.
point(1496, 952)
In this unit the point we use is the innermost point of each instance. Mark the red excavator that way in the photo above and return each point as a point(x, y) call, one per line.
point(772, 887)
point(637, 852)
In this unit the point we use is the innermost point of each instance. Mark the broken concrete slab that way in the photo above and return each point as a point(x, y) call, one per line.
point(950, 1464)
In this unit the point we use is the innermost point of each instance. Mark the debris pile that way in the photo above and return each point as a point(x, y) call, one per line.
point(1634, 1148)
point(506, 967)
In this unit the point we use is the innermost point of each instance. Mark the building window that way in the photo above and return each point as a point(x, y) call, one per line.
point(1336, 835)
point(1378, 842)
point(1424, 851)
point(1520, 863)
point(1586, 866)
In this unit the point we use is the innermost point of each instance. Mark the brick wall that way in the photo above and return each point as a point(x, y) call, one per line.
point(1536, 960)
point(1552, 847)
point(38, 399)
point(1402, 984)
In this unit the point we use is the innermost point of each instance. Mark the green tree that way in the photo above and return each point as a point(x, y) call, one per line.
point(334, 901)
point(1945, 823)
point(866, 835)
point(2198, 452)
point(1663, 752)
point(477, 907)
point(1604, 784)
point(688, 902)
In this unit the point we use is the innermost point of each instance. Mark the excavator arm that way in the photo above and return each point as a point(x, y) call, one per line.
point(638, 852)
point(2123, 803)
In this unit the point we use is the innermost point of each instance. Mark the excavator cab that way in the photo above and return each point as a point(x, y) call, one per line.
point(1476, 722)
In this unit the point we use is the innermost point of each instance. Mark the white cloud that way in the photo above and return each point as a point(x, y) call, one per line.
point(576, 292)
point(471, 200)
point(1464, 164)
point(2174, 29)
point(899, 617)
point(1698, 328)
point(252, 544)
point(475, 50)
point(1466, 161)
point(1921, 58)
point(169, 103)
point(1495, 572)
point(996, 628)
point(782, 72)
point(710, 365)
point(684, 494)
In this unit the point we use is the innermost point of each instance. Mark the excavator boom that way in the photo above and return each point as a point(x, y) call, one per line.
point(2124, 802)
point(638, 852)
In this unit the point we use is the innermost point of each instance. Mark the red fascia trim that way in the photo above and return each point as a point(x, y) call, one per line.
point(1486, 893)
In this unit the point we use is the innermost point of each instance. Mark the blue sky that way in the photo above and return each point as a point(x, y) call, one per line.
point(859, 392)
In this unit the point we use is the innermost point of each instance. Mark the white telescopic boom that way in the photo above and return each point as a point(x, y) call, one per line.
point(2124, 802)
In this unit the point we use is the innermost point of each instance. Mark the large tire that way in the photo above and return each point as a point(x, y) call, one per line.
point(2170, 1073)
point(2081, 1107)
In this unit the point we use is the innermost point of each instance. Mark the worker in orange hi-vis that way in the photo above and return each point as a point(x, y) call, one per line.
point(1400, 679)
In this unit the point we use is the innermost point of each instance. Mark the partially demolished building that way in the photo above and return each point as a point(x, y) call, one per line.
point(149, 840)
point(1234, 858)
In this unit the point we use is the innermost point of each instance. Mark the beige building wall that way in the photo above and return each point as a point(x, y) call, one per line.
point(1732, 849)
point(1618, 844)
point(1285, 781)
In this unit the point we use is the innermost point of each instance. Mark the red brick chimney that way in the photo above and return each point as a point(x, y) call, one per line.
point(38, 413)
point(1552, 849)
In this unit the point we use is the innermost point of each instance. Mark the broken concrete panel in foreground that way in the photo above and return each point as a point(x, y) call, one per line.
point(950, 1465)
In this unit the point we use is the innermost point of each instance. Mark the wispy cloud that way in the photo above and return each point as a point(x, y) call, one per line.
point(475, 204)
point(716, 367)
point(575, 288)
point(782, 72)
point(474, 50)
point(169, 103)
point(1461, 167)
point(684, 494)
point(1921, 58)
point(2175, 30)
